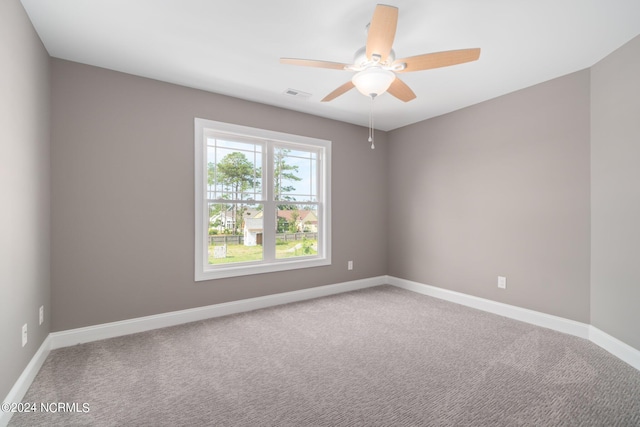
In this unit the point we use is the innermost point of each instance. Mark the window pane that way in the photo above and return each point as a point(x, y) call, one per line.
point(295, 175)
point(234, 170)
point(235, 233)
point(296, 231)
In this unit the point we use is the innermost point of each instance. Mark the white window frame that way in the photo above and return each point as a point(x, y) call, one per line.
point(204, 271)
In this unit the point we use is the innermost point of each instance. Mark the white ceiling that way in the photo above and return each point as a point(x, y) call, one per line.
point(233, 47)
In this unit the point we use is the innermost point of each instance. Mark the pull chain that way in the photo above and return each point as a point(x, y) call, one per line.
point(371, 136)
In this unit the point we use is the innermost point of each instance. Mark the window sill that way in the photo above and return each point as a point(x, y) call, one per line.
point(250, 269)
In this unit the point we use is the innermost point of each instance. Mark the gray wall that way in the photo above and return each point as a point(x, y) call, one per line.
point(615, 194)
point(24, 191)
point(499, 188)
point(123, 202)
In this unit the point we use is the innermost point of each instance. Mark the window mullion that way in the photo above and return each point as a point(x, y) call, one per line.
point(268, 226)
point(320, 198)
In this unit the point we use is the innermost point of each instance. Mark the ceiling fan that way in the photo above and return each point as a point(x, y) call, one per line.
point(376, 65)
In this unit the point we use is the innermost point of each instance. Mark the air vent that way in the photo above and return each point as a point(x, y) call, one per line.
point(297, 94)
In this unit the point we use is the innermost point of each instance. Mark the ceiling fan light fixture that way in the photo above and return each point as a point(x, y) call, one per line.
point(373, 81)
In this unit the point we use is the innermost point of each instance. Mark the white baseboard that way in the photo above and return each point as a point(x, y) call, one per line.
point(621, 350)
point(19, 389)
point(518, 313)
point(147, 323)
point(614, 346)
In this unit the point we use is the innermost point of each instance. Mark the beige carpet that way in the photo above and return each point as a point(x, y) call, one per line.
point(377, 357)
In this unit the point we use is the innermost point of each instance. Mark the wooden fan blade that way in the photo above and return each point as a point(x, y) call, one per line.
point(336, 93)
point(400, 90)
point(382, 31)
point(313, 63)
point(437, 59)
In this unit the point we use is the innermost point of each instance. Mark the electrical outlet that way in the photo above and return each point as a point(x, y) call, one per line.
point(41, 314)
point(24, 334)
point(350, 265)
point(502, 282)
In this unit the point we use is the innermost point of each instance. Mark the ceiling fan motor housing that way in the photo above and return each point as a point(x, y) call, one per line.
point(361, 62)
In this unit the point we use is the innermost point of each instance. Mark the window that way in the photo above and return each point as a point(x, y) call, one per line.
point(262, 201)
